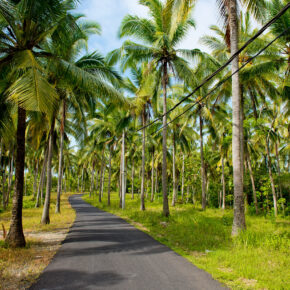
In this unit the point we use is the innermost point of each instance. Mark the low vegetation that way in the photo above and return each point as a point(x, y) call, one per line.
point(20, 267)
point(257, 259)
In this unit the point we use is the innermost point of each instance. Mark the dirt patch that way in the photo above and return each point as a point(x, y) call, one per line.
point(19, 268)
point(225, 269)
point(197, 254)
point(248, 282)
point(139, 226)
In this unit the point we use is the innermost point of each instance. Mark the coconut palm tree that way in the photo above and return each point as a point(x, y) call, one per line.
point(160, 35)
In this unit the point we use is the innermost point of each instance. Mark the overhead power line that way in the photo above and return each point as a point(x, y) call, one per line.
point(206, 80)
point(226, 79)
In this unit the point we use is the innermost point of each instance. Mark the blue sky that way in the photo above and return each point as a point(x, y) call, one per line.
point(109, 13)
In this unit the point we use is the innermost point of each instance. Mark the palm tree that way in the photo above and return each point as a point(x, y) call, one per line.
point(143, 87)
point(160, 36)
point(29, 89)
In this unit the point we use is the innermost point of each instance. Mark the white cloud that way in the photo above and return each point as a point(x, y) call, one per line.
point(109, 13)
point(205, 15)
point(135, 8)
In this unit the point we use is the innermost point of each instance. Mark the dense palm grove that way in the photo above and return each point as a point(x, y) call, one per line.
point(78, 122)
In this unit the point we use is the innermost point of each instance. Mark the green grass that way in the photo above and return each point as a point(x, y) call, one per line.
point(258, 259)
point(32, 215)
point(20, 267)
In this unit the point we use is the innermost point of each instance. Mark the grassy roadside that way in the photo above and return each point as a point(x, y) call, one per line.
point(258, 259)
point(19, 268)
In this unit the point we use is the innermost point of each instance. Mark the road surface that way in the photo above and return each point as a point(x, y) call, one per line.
point(102, 251)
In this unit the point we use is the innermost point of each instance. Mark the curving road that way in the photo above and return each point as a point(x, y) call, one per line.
point(102, 251)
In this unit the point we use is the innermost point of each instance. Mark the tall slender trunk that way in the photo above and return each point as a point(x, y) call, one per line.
point(123, 171)
point(92, 179)
point(182, 178)
point(101, 176)
point(152, 178)
point(239, 222)
point(203, 177)
point(103, 180)
point(78, 187)
point(271, 176)
point(173, 172)
point(110, 173)
point(42, 178)
point(164, 142)
point(35, 178)
point(15, 236)
point(224, 184)
point(60, 161)
point(120, 181)
point(278, 168)
point(156, 181)
point(82, 185)
point(143, 160)
point(242, 140)
point(45, 214)
point(97, 181)
point(132, 179)
point(253, 182)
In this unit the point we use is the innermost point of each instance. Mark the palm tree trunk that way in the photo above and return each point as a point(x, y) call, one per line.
point(271, 176)
point(45, 214)
point(60, 171)
point(97, 181)
point(278, 168)
point(42, 178)
point(156, 181)
point(92, 179)
point(123, 171)
point(164, 142)
point(35, 178)
point(173, 172)
point(152, 178)
point(143, 161)
point(253, 182)
point(15, 236)
point(82, 185)
point(110, 172)
point(239, 210)
point(203, 177)
point(224, 184)
point(103, 180)
point(132, 197)
point(120, 181)
point(101, 176)
point(182, 179)
point(78, 187)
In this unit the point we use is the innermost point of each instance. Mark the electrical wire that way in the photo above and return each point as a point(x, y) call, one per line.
point(206, 80)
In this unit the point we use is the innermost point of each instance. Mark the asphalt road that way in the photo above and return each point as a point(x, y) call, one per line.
point(102, 251)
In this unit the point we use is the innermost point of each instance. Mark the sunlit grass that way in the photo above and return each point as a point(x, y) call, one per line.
point(20, 267)
point(32, 215)
point(258, 259)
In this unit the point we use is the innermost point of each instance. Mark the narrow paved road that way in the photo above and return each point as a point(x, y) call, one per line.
point(102, 251)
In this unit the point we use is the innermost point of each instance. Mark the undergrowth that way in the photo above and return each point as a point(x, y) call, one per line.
point(257, 259)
